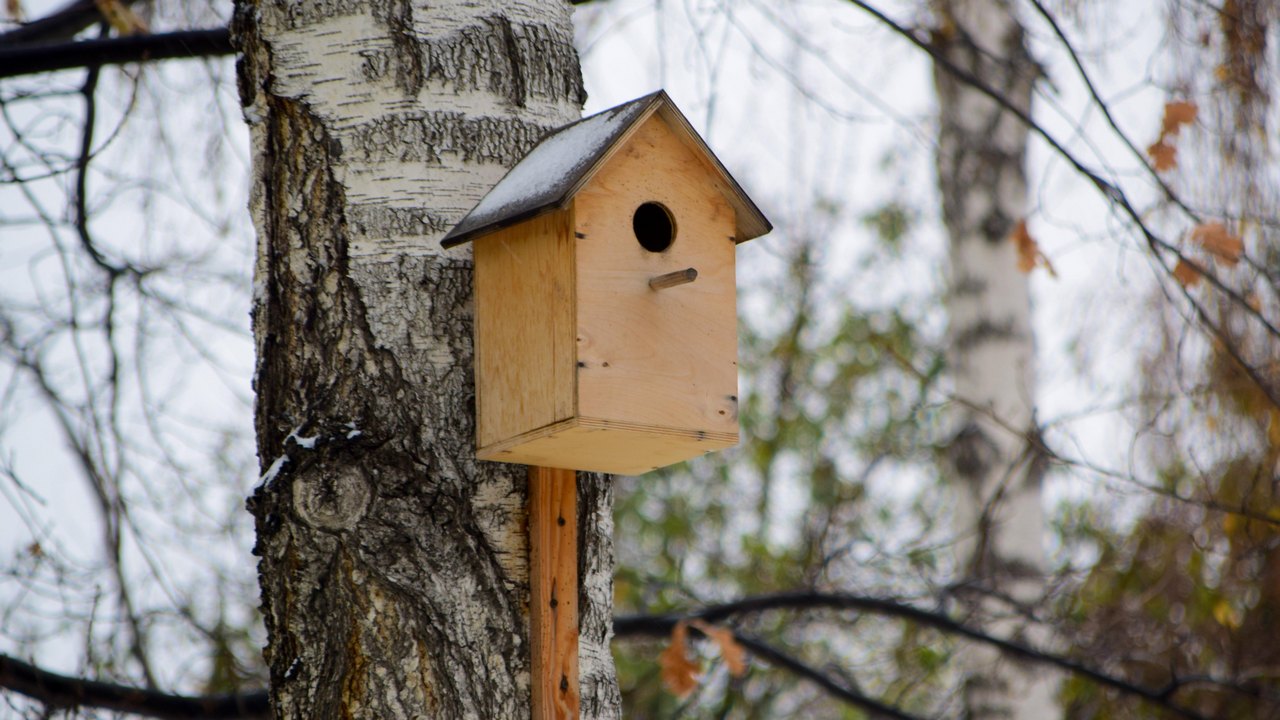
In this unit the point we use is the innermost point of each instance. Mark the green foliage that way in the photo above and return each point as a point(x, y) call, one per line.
point(1194, 586)
point(831, 394)
point(890, 222)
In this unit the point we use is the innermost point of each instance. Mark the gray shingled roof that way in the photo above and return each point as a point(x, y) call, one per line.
point(558, 166)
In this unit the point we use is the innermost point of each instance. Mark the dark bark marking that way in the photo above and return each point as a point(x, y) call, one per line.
point(982, 331)
point(406, 52)
point(967, 286)
point(424, 136)
point(301, 14)
point(385, 220)
point(511, 51)
point(517, 61)
point(971, 453)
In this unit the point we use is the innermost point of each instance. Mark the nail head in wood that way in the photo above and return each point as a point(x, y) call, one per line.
point(672, 279)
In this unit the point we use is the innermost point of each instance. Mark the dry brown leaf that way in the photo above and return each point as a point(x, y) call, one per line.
point(121, 17)
point(1026, 245)
point(734, 656)
point(13, 9)
point(679, 671)
point(1186, 273)
point(1163, 156)
point(1029, 255)
point(1219, 243)
point(1177, 114)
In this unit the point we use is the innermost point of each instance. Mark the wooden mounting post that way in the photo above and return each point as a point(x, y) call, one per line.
point(553, 604)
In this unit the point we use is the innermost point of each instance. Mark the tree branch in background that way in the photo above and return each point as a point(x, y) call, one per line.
point(661, 625)
point(28, 59)
point(797, 667)
point(61, 24)
point(63, 692)
point(1159, 246)
point(46, 44)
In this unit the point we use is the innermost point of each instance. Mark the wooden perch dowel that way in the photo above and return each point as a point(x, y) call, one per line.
point(672, 279)
point(553, 603)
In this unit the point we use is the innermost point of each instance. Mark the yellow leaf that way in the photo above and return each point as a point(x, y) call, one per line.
point(1219, 243)
point(1029, 255)
point(1163, 155)
point(1226, 615)
point(121, 17)
point(1186, 273)
point(1177, 114)
point(679, 671)
point(734, 656)
point(1230, 524)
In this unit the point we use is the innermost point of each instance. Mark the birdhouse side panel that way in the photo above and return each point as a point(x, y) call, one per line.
point(666, 358)
point(524, 327)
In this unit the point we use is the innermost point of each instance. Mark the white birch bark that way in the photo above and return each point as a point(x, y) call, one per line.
point(393, 566)
point(994, 472)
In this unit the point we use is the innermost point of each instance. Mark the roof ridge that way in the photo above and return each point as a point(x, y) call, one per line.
point(563, 160)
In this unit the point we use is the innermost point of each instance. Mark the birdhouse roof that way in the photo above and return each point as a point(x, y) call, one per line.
point(566, 159)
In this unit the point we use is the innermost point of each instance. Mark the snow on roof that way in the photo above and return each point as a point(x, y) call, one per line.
point(560, 163)
point(543, 178)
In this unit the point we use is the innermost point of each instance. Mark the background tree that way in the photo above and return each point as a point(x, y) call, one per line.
point(994, 464)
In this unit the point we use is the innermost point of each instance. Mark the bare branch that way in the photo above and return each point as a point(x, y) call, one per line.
point(780, 659)
point(659, 625)
point(1160, 248)
point(28, 59)
point(61, 24)
point(63, 692)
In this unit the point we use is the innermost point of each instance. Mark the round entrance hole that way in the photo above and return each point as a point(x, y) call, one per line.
point(654, 227)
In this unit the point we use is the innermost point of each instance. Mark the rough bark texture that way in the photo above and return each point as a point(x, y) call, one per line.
point(393, 565)
point(996, 473)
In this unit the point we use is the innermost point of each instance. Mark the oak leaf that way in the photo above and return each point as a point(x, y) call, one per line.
point(1029, 254)
point(679, 671)
point(1163, 156)
point(1219, 243)
point(1186, 273)
point(1177, 114)
point(734, 656)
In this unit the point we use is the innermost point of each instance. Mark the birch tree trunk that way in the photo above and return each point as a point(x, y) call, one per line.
point(393, 566)
point(995, 473)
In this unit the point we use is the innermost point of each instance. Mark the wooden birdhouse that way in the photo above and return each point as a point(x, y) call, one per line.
point(605, 302)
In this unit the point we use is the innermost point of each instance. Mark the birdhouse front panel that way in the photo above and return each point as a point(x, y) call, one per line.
point(605, 319)
point(662, 358)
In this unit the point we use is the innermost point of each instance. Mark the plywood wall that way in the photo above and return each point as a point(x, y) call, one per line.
point(660, 358)
point(525, 342)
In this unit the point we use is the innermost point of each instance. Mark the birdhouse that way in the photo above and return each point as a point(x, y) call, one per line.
point(605, 301)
